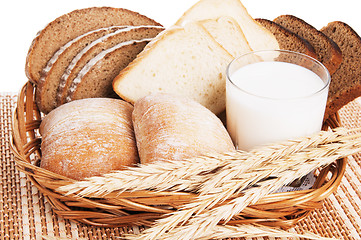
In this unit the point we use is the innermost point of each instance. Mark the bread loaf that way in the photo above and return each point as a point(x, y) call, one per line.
point(170, 127)
point(71, 25)
point(88, 137)
point(345, 83)
point(327, 51)
point(181, 60)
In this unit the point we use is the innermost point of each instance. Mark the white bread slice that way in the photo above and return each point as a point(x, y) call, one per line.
point(258, 37)
point(227, 32)
point(71, 25)
point(96, 77)
point(97, 46)
point(181, 60)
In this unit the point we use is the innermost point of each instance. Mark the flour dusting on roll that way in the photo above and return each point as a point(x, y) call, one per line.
point(169, 127)
point(88, 137)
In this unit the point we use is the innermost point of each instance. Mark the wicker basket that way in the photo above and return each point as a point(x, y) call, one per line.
point(278, 209)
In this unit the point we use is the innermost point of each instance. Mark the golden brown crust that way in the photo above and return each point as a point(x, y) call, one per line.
point(88, 137)
point(170, 127)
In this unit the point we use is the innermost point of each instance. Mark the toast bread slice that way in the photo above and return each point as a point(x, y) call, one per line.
point(182, 60)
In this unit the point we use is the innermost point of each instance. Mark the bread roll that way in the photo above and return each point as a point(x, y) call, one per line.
point(88, 137)
point(169, 127)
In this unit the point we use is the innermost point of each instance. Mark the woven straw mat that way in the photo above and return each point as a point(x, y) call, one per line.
point(25, 213)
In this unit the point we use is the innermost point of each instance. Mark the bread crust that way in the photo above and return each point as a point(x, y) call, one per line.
point(50, 80)
point(345, 83)
point(55, 35)
point(94, 83)
point(293, 41)
point(89, 137)
point(326, 49)
point(211, 92)
point(171, 128)
point(258, 36)
point(126, 34)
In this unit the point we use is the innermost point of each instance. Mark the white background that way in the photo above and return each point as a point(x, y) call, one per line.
point(21, 20)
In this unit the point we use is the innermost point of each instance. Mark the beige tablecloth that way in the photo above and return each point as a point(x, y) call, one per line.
point(25, 214)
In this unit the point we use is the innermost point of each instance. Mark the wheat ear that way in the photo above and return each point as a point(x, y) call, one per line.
point(159, 176)
point(185, 175)
point(283, 171)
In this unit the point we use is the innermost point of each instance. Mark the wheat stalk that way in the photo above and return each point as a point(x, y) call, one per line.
point(219, 183)
point(285, 169)
point(188, 174)
point(160, 176)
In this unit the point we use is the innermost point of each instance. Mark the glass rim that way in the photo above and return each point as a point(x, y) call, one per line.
point(326, 83)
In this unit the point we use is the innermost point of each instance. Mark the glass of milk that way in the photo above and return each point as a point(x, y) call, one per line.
point(274, 95)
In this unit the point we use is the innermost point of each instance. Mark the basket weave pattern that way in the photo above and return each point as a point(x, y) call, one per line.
point(142, 208)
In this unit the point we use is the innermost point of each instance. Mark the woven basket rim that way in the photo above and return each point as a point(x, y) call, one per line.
point(278, 209)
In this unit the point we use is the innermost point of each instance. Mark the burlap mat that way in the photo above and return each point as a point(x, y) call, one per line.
point(25, 214)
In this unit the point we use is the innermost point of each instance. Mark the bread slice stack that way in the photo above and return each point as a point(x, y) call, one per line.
point(346, 80)
point(190, 58)
point(326, 49)
point(335, 45)
point(62, 41)
point(287, 39)
point(71, 77)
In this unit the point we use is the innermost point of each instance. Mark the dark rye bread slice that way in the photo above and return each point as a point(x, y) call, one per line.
point(345, 83)
point(51, 74)
point(96, 77)
point(94, 48)
point(71, 25)
point(327, 51)
point(288, 40)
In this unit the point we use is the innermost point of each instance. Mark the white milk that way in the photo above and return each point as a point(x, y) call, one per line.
point(273, 101)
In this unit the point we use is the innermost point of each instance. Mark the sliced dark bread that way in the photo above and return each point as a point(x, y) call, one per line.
point(51, 74)
point(327, 51)
point(288, 40)
point(96, 77)
point(71, 25)
point(346, 81)
point(94, 48)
